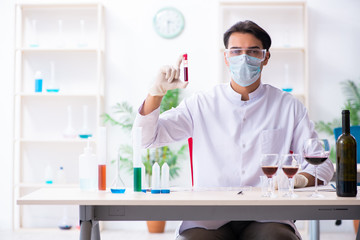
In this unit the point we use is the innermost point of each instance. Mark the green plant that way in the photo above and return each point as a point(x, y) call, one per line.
point(352, 94)
point(125, 117)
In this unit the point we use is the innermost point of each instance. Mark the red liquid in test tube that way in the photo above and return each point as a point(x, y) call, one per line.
point(185, 62)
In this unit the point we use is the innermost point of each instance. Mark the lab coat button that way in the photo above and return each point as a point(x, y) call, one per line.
point(244, 145)
point(243, 172)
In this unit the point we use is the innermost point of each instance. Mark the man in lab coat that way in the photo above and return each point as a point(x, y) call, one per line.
point(231, 126)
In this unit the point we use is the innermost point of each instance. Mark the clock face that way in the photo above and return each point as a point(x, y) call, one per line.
point(169, 22)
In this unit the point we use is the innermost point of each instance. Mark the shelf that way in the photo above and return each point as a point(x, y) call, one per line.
point(60, 4)
point(263, 2)
point(59, 94)
point(71, 50)
point(54, 141)
point(44, 185)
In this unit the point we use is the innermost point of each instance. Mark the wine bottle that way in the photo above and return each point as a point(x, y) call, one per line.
point(346, 160)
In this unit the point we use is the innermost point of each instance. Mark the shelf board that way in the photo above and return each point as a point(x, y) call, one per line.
point(262, 2)
point(58, 94)
point(65, 140)
point(44, 185)
point(59, 4)
point(30, 50)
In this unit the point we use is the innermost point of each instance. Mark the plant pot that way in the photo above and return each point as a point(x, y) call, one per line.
point(156, 226)
point(356, 225)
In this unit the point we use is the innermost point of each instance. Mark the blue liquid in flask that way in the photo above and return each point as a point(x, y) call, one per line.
point(85, 135)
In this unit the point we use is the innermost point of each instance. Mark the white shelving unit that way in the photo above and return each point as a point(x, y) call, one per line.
point(72, 37)
point(286, 22)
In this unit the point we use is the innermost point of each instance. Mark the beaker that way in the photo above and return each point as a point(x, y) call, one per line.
point(117, 186)
point(85, 132)
point(53, 85)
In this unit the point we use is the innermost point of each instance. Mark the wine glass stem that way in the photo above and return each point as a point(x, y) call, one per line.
point(271, 186)
point(316, 185)
point(291, 186)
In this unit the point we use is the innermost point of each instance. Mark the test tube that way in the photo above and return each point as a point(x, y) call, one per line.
point(155, 179)
point(165, 176)
point(102, 159)
point(137, 163)
point(185, 62)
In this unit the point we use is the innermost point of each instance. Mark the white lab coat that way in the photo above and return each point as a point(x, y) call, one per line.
point(229, 135)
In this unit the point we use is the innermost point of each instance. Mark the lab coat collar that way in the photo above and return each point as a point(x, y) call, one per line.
point(236, 97)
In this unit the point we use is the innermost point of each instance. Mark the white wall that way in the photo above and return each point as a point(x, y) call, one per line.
point(6, 123)
point(134, 53)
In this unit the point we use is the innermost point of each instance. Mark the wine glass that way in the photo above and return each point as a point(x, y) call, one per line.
point(269, 164)
point(290, 165)
point(316, 151)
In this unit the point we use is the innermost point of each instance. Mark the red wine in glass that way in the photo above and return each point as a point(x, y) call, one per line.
point(315, 160)
point(269, 171)
point(290, 171)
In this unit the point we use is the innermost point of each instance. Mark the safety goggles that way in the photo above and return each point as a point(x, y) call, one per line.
point(253, 52)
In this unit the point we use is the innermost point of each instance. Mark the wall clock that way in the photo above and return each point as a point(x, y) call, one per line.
point(169, 22)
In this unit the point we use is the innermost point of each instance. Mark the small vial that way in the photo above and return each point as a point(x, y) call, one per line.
point(165, 177)
point(38, 81)
point(155, 179)
point(185, 63)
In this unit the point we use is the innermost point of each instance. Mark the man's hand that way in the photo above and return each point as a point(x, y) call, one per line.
point(167, 79)
point(300, 181)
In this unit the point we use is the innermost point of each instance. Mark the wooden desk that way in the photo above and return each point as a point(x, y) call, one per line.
point(192, 205)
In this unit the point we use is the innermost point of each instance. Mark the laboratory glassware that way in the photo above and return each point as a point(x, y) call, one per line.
point(60, 36)
point(137, 162)
point(53, 85)
point(102, 159)
point(82, 39)
point(185, 64)
point(117, 185)
point(38, 81)
point(287, 85)
point(155, 179)
point(87, 168)
point(49, 174)
point(85, 132)
point(316, 151)
point(34, 43)
point(290, 164)
point(269, 164)
point(69, 131)
point(165, 178)
point(64, 223)
point(61, 176)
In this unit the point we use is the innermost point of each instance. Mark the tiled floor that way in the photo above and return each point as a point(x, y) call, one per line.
point(126, 235)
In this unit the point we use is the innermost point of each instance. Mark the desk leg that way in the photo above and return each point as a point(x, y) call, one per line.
point(358, 233)
point(85, 230)
point(95, 231)
point(314, 230)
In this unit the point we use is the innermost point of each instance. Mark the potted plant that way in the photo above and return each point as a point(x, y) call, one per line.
point(352, 93)
point(124, 116)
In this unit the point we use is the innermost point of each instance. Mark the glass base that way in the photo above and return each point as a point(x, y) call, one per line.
point(316, 195)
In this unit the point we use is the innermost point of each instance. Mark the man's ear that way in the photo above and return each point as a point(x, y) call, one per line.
point(225, 59)
point(267, 56)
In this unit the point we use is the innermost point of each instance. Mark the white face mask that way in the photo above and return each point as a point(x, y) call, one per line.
point(244, 69)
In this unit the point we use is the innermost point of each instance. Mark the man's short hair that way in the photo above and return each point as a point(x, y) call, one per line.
point(248, 27)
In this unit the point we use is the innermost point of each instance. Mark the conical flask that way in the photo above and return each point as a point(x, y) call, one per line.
point(117, 186)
